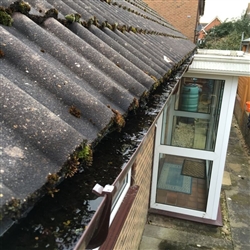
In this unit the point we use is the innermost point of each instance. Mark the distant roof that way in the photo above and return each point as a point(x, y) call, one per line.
point(207, 24)
point(65, 79)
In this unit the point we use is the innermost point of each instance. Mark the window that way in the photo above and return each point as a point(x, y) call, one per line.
point(191, 119)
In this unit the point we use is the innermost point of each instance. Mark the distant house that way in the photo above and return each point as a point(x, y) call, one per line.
point(203, 32)
point(184, 15)
point(248, 10)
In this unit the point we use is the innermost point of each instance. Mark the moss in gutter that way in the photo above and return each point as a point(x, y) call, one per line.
point(83, 154)
point(52, 181)
point(134, 105)
point(13, 208)
point(118, 119)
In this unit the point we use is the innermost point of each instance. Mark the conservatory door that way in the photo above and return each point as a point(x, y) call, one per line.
point(190, 147)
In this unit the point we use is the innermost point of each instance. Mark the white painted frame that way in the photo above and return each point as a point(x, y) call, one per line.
point(121, 194)
point(218, 156)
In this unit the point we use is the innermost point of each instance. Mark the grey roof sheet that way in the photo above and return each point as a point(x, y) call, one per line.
point(48, 65)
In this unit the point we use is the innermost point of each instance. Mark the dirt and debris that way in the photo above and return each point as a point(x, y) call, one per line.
point(75, 111)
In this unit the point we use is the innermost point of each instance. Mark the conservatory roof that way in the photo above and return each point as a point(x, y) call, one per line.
point(221, 62)
point(68, 69)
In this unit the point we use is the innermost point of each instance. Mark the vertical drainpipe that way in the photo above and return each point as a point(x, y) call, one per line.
point(242, 38)
point(197, 21)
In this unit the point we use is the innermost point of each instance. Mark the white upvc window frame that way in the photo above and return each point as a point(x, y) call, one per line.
point(218, 156)
point(120, 195)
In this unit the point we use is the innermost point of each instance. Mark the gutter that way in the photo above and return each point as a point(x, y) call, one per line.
point(97, 230)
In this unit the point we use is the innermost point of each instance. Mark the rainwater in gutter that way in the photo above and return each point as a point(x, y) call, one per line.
point(58, 222)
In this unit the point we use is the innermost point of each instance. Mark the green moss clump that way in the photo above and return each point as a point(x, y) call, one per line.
point(24, 7)
point(53, 178)
point(82, 154)
point(77, 17)
point(51, 13)
point(20, 6)
point(96, 22)
point(109, 26)
point(5, 18)
point(86, 154)
point(13, 208)
point(74, 17)
point(70, 18)
point(133, 29)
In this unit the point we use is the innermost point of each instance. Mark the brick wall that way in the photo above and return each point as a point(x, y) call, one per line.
point(182, 14)
point(133, 227)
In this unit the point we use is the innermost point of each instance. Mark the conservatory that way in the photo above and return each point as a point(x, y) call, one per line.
point(192, 136)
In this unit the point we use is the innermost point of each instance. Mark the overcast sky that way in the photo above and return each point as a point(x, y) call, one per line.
point(223, 9)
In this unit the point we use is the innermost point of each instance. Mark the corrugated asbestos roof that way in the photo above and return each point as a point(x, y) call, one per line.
point(64, 82)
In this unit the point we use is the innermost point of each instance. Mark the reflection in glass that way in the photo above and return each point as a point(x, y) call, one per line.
point(183, 182)
point(191, 118)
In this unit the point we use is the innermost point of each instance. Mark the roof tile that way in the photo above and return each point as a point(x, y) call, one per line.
point(62, 82)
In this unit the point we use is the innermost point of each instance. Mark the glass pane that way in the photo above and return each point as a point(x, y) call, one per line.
point(190, 133)
point(120, 190)
point(191, 120)
point(183, 182)
point(196, 95)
